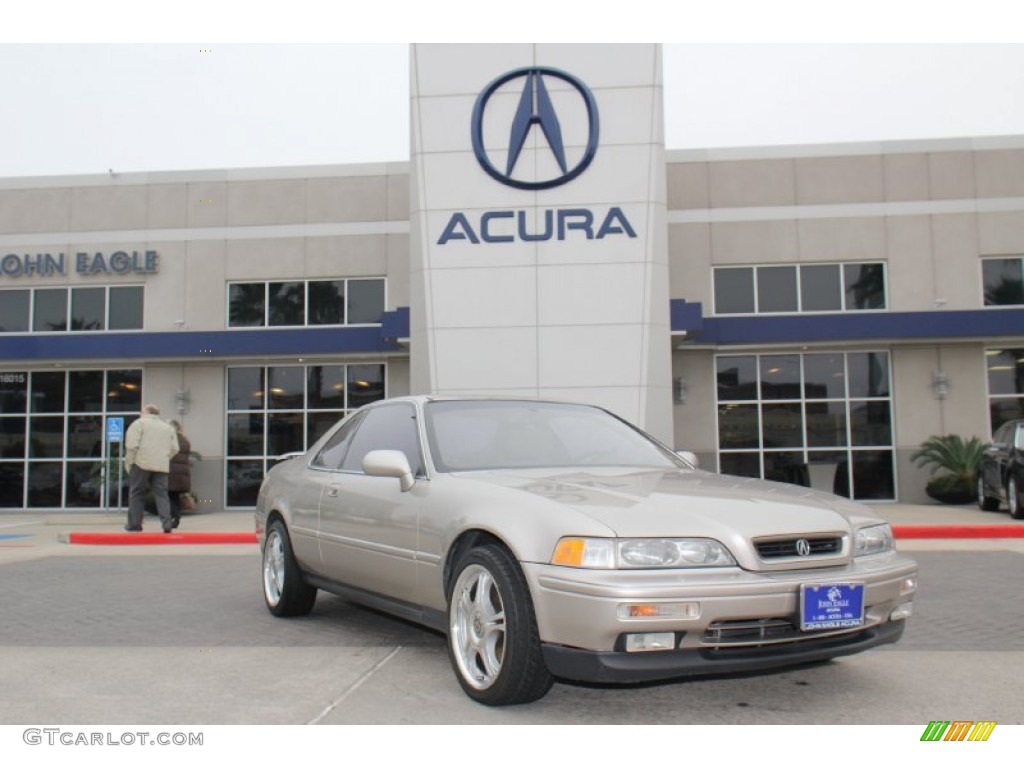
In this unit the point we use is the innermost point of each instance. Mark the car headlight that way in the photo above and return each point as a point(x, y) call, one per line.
point(641, 553)
point(874, 540)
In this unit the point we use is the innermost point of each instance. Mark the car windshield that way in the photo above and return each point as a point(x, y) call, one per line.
point(471, 435)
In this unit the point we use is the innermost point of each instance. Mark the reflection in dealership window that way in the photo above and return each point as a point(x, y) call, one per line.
point(279, 409)
point(1005, 368)
point(92, 308)
point(779, 414)
point(52, 434)
point(781, 289)
point(352, 301)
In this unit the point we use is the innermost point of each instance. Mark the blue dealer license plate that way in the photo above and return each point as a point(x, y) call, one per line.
point(831, 606)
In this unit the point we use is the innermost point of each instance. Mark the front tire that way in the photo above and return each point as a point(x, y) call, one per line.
point(284, 589)
point(493, 642)
point(1013, 499)
point(985, 503)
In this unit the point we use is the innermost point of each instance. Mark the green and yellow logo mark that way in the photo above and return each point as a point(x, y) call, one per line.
point(958, 730)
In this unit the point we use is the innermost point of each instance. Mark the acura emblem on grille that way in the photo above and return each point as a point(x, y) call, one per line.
point(803, 547)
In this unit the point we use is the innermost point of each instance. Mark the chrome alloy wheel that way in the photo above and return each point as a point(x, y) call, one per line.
point(478, 627)
point(273, 567)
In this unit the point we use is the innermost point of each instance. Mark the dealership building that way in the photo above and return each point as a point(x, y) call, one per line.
point(807, 314)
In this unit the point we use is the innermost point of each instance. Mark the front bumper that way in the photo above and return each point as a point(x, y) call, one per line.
point(747, 620)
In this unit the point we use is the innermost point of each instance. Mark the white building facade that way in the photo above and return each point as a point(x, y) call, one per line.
point(806, 314)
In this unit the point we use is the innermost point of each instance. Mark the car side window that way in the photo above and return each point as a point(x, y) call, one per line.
point(1018, 440)
point(333, 453)
point(1002, 435)
point(387, 427)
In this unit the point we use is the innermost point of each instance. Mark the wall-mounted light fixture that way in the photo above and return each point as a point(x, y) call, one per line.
point(940, 385)
point(679, 390)
point(182, 400)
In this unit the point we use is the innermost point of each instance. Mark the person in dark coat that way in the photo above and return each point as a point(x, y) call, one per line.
point(179, 479)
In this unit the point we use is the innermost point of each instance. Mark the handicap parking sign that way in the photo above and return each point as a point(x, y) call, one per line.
point(115, 429)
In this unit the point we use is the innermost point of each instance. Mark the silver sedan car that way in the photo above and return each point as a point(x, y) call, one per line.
point(555, 540)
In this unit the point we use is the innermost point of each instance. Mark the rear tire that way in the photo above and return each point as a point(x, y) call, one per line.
point(493, 642)
point(1013, 499)
point(985, 503)
point(284, 589)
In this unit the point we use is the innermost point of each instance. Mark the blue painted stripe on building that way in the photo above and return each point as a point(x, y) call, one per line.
point(15, 535)
point(795, 329)
point(196, 344)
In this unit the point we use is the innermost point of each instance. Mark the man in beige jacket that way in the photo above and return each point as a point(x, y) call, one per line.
point(149, 444)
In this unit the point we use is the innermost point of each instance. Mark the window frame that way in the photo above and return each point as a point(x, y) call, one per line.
point(305, 282)
point(841, 266)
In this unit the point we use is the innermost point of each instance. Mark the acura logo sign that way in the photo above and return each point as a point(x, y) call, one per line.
point(536, 109)
point(803, 547)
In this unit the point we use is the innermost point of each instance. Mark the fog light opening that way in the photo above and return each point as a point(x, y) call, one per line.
point(650, 641)
point(904, 611)
point(908, 586)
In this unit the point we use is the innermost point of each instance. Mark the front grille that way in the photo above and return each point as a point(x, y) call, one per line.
point(756, 632)
point(819, 546)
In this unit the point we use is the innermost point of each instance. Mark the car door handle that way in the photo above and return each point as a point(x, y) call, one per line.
point(333, 491)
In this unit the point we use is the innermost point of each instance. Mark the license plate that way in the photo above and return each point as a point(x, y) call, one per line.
point(831, 606)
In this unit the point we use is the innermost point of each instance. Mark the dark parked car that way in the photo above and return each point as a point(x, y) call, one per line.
point(1001, 471)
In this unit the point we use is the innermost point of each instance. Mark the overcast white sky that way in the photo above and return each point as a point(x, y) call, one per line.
point(85, 98)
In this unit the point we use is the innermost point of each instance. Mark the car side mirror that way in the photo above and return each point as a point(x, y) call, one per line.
point(389, 464)
point(690, 458)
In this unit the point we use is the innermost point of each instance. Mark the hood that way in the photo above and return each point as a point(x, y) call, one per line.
point(737, 511)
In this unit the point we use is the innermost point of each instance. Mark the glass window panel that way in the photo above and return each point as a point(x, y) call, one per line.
point(46, 437)
point(782, 425)
point(1002, 410)
point(88, 309)
point(246, 305)
point(51, 310)
point(830, 467)
point(285, 433)
point(390, 427)
point(287, 303)
point(737, 378)
point(48, 392)
point(1005, 371)
point(286, 388)
point(824, 377)
point(873, 476)
point(14, 311)
point(13, 392)
point(780, 377)
point(85, 436)
point(243, 482)
point(326, 386)
point(245, 434)
point(742, 464)
point(126, 308)
point(786, 467)
point(738, 426)
point(1002, 280)
point(365, 301)
point(12, 480)
point(776, 289)
point(326, 302)
point(85, 391)
point(82, 483)
point(319, 424)
point(245, 389)
point(734, 290)
point(365, 384)
point(826, 424)
point(865, 286)
point(870, 423)
point(45, 483)
point(820, 289)
point(124, 392)
point(868, 374)
point(12, 437)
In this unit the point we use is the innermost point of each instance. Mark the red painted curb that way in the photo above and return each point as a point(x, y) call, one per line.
point(958, 531)
point(126, 538)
